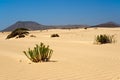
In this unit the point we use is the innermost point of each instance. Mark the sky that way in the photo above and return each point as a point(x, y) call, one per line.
point(59, 12)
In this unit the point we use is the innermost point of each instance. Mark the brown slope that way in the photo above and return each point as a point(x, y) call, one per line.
point(108, 24)
point(25, 24)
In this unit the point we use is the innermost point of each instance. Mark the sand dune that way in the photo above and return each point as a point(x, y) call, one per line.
point(75, 56)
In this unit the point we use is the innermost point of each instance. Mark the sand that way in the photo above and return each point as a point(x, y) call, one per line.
point(75, 56)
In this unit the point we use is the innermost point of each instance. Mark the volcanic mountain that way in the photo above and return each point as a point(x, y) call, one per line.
point(25, 24)
point(36, 26)
point(108, 24)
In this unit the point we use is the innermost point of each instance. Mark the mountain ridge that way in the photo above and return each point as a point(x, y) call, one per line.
point(32, 25)
point(107, 24)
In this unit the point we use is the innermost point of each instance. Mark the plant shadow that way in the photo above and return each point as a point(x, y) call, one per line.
point(53, 61)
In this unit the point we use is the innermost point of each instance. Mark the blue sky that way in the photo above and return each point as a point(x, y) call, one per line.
point(58, 12)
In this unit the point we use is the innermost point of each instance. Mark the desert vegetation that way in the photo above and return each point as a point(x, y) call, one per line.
point(33, 36)
point(55, 35)
point(40, 53)
point(103, 39)
point(85, 28)
point(18, 33)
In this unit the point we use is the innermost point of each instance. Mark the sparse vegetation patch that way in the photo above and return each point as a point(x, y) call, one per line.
point(32, 36)
point(19, 32)
point(103, 39)
point(40, 53)
point(85, 28)
point(55, 35)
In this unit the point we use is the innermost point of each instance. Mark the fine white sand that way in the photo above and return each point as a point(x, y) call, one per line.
point(75, 56)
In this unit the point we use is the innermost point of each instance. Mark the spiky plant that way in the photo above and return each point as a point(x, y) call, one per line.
point(103, 38)
point(39, 53)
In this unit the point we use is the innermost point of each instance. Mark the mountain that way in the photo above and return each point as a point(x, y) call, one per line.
point(25, 24)
point(108, 24)
point(36, 26)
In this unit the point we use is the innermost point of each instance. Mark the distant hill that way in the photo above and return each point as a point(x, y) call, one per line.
point(36, 26)
point(69, 26)
point(108, 24)
point(25, 24)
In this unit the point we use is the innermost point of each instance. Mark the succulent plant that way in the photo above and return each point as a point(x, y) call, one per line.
point(39, 53)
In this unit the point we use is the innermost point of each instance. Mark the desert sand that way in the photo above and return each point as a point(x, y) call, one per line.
point(75, 56)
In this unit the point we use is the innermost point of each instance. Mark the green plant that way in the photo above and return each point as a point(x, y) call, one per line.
point(55, 35)
point(39, 53)
point(18, 32)
point(103, 38)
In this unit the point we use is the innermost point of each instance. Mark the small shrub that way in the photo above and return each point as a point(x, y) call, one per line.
point(85, 28)
point(32, 36)
point(39, 53)
point(18, 32)
point(102, 39)
point(21, 36)
point(55, 35)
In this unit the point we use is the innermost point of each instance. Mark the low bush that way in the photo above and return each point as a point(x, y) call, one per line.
point(103, 38)
point(18, 32)
point(55, 35)
point(32, 36)
point(21, 36)
point(39, 53)
point(85, 28)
